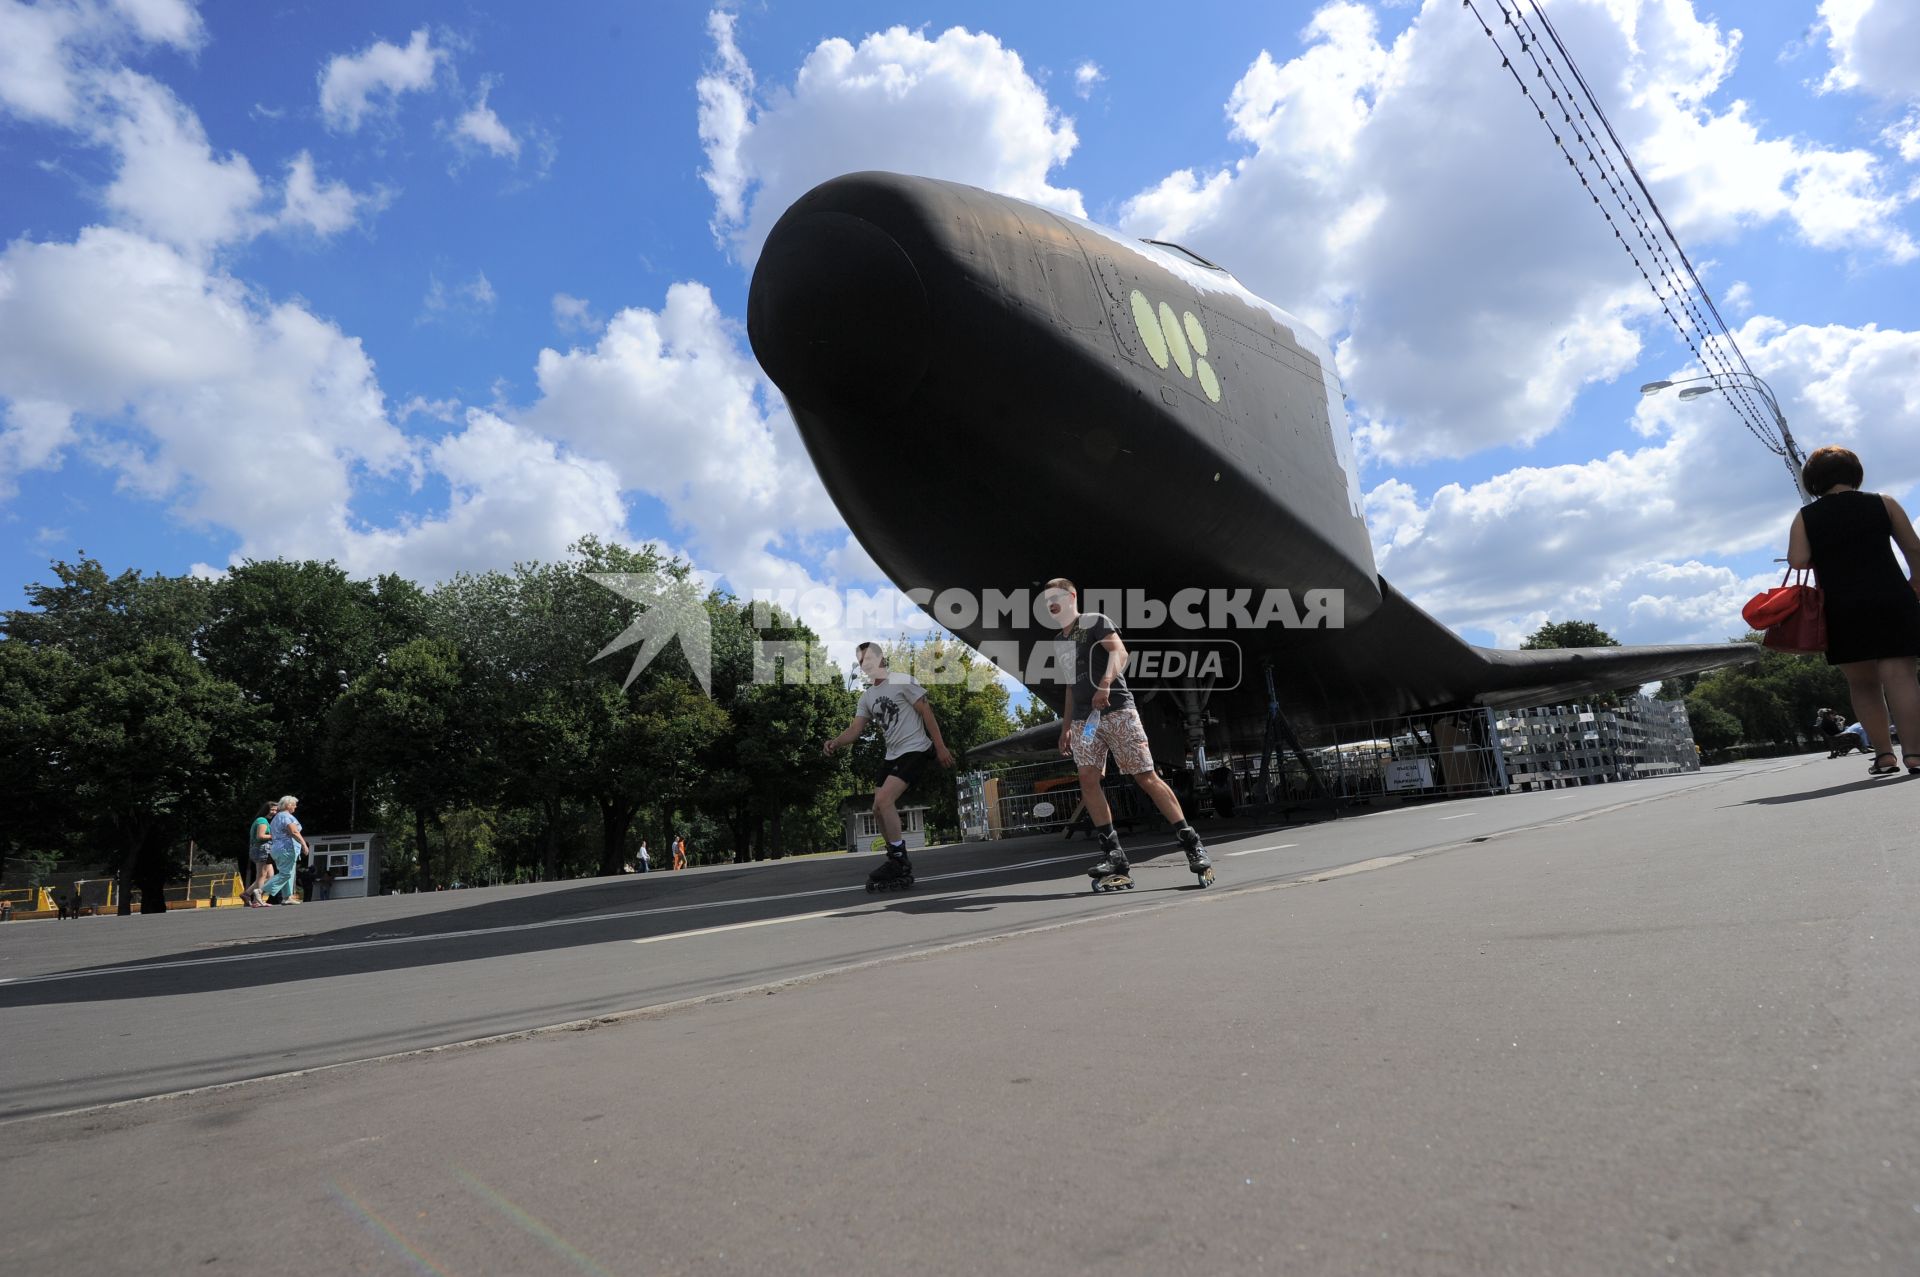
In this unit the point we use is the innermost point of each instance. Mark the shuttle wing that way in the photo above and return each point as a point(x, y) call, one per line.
point(1542, 677)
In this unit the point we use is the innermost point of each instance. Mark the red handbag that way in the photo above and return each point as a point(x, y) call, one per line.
point(1793, 616)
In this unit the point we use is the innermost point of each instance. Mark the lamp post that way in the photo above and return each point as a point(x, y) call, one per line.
point(1720, 381)
point(353, 781)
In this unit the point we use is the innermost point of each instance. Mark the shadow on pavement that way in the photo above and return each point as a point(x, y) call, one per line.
point(1812, 795)
point(602, 912)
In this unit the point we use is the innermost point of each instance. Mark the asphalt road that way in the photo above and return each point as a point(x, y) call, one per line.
point(1665, 1025)
point(121, 1008)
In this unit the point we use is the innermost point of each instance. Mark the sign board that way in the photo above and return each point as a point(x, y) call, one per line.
point(1410, 773)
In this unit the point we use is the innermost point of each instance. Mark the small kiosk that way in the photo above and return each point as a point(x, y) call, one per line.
point(863, 827)
point(352, 859)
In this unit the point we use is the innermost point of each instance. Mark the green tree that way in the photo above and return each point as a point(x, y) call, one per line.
point(1558, 634)
point(1679, 687)
point(1568, 634)
point(1033, 714)
point(770, 770)
point(558, 715)
point(528, 641)
point(469, 856)
point(407, 723)
point(92, 615)
point(295, 635)
point(1775, 698)
point(1713, 728)
point(115, 740)
point(649, 747)
point(147, 749)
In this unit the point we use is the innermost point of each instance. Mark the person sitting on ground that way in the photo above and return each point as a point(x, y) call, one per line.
point(1852, 737)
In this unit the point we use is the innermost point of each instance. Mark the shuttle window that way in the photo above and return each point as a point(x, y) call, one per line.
point(1187, 253)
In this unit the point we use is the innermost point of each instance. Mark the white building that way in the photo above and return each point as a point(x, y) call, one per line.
point(863, 826)
point(1559, 746)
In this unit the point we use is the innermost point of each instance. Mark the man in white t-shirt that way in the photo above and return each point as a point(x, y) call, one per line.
point(898, 706)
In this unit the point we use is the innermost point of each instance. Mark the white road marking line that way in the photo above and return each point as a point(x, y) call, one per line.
point(1278, 847)
point(739, 926)
point(1365, 866)
point(1462, 816)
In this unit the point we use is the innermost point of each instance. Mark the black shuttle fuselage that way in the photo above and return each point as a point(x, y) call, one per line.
point(995, 394)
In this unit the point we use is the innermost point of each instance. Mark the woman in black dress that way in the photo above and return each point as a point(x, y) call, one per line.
point(1873, 613)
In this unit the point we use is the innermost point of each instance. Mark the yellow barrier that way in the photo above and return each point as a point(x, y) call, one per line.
point(202, 891)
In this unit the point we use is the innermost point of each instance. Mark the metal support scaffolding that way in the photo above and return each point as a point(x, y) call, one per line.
point(1280, 730)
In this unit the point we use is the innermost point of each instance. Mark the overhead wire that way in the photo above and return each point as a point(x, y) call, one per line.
point(1724, 337)
point(1678, 286)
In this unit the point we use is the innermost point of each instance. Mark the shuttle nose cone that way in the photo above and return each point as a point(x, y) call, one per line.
point(837, 314)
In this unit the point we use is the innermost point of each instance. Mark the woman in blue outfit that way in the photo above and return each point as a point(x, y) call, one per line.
point(288, 845)
point(1873, 612)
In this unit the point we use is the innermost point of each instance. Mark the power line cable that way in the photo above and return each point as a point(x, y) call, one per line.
point(1698, 334)
point(1725, 335)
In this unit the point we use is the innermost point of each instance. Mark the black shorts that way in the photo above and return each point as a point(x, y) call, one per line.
point(907, 767)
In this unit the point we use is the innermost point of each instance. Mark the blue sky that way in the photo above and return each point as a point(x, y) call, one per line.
point(432, 287)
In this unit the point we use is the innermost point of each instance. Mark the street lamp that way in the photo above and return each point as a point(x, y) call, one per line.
point(353, 781)
point(1720, 381)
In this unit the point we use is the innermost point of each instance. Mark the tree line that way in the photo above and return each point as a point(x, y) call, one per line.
point(470, 722)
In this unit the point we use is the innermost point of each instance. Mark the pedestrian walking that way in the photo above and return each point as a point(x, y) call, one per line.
point(260, 854)
point(679, 852)
point(646, 861)
point(288, 845)
point(1873, 614)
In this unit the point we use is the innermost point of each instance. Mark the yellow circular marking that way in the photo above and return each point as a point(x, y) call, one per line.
point(1143, 319)
point(1196, 335)
point(1208, 382)
point(1176, 340)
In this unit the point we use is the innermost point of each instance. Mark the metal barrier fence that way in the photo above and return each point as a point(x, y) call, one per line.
point(1410, 758)
point(1406, 759)
point(1040, 798)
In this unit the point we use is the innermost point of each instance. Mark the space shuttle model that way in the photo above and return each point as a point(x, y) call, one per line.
point(996, 395)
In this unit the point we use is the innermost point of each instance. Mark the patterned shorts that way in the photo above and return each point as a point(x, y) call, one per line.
point(1121, 734)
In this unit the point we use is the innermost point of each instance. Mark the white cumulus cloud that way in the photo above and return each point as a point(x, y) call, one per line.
point(355, 85)
point(1638, 540)
point(959, 106)
point(1403, 197)
point(480, 127)
point(672, 400)
point(1875, 47)
point(260, 419)
point(49, 50)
